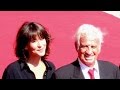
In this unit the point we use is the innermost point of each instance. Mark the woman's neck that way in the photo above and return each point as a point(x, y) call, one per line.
point(34, 61)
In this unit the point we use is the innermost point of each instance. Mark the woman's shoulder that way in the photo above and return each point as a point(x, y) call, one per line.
point(49, 63)
point(13, 64)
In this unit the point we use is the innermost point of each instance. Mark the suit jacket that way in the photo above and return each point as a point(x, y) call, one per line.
point(107, 70)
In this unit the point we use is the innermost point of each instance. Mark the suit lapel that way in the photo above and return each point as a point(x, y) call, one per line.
point(77, 74)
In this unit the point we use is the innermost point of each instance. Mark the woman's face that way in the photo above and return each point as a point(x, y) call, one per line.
point(36, 47)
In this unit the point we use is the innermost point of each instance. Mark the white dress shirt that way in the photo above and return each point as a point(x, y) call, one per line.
point(86, 68)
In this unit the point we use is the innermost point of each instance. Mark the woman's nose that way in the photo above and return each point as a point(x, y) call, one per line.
point(39, 44)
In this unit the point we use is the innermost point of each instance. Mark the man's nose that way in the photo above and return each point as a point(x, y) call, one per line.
point(89, 50)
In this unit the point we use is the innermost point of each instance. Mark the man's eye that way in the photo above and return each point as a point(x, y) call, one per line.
point(93, 46)
point(83, 46)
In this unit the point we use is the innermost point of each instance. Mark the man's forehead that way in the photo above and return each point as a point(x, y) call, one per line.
point(89, 38)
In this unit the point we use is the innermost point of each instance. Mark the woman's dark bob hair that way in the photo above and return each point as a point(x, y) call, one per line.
point(27, 32)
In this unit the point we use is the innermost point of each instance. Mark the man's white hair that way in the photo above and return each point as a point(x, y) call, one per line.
point(88, 30)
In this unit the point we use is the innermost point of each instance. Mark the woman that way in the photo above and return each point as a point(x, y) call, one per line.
point(32, 47)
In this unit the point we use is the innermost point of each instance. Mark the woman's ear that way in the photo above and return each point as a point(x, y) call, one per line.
point(26, 48)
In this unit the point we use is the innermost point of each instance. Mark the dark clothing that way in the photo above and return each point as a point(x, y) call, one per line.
point(20, 70)
point(107, 70)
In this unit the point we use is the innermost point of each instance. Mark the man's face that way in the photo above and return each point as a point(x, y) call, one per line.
point(89, 50)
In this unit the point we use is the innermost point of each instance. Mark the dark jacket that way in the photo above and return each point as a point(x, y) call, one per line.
point(20, 70)
point(107, 70)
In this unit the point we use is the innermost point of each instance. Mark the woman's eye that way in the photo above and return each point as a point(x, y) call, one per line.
point(33, 40)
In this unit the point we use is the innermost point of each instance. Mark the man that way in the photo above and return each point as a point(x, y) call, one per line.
point(88, 40)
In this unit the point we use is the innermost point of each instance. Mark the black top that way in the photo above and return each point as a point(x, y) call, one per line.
point(20, 70)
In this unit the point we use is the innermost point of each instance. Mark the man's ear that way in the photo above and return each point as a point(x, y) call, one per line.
point(76, 46)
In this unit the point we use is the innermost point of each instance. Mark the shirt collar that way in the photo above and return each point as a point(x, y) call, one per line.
point(23, 65)
point(84, 67)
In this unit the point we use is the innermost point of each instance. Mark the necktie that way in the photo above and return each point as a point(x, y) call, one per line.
point(91, 73)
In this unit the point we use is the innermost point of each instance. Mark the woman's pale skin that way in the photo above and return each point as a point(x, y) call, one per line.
point(36, 49)
point(89, 50)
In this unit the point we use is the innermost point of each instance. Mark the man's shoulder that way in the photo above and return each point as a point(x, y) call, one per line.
point(65, 67)
point(106, 63)
point(64, 72)
point(68, 67)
